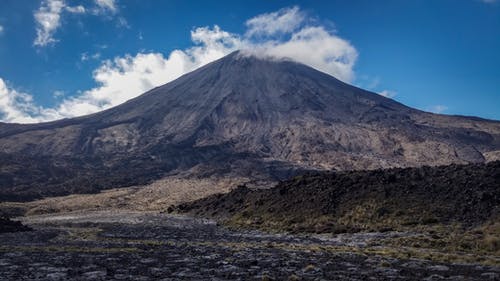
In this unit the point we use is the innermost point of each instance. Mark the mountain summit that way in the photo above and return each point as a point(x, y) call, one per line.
point(263, 119)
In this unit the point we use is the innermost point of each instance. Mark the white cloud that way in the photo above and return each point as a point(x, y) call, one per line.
point(109, 5)
point(128, 76)
point(96, 56)
point(318, 48)
point(437, 108)
point(122, 22)
point(76, 9)
point(86, 56)
point(285, 20)
point(47, 18)
point(58, 94)
point(1, 29)
point(388, 93)
point(16, 106)
point(368, 82)
point(374, 82)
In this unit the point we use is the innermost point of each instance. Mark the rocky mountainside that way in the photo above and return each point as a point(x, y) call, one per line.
point(242, 116)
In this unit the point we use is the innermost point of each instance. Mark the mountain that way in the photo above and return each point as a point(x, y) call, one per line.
point(258, 118)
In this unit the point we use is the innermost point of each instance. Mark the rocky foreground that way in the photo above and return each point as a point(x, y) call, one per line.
point(142, 246)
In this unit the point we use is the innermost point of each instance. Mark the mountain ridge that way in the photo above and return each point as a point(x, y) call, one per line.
point(238, 116)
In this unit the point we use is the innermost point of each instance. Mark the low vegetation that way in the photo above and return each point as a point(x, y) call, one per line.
point(451, 208)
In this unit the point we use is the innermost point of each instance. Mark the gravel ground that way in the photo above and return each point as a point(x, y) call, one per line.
point(151, 246)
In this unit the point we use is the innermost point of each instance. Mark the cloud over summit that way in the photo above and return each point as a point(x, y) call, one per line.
point(285, 33)
point(285, 20)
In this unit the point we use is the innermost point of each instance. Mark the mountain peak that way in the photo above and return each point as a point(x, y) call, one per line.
point(240, 116)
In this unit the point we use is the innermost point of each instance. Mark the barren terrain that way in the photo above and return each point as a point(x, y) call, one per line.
point(151, 246)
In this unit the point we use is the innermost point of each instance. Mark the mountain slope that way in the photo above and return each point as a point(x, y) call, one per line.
point(241, 115)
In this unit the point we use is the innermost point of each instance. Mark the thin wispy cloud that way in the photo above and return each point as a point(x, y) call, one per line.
point(388, 93)
point(437, 108)
point(373, 82)
point(282, 34)
point(49, 14)
point(48, 20)
point(86, 56)
point(122, 22)
point(58, 94)
point(109, 5)
point(76, 9)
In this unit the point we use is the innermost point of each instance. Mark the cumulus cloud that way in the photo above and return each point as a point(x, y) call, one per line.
point(126, 77)
point(1, 29)
point(123, 78)
point(16, 106)
point(318, 48)
point(388, 93)
point(48, 20)
point(285, 20)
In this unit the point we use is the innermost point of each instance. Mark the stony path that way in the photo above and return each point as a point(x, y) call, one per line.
point(138, 246)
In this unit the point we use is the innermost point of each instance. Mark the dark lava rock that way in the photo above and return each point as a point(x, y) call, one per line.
point(7, 225)
point(370, 200)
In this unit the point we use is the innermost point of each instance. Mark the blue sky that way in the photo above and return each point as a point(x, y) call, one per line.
point(64, 58)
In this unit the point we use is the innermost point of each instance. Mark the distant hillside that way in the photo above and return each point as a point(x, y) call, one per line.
point(378, 200)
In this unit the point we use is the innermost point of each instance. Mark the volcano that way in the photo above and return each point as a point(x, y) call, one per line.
point(259, 118)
